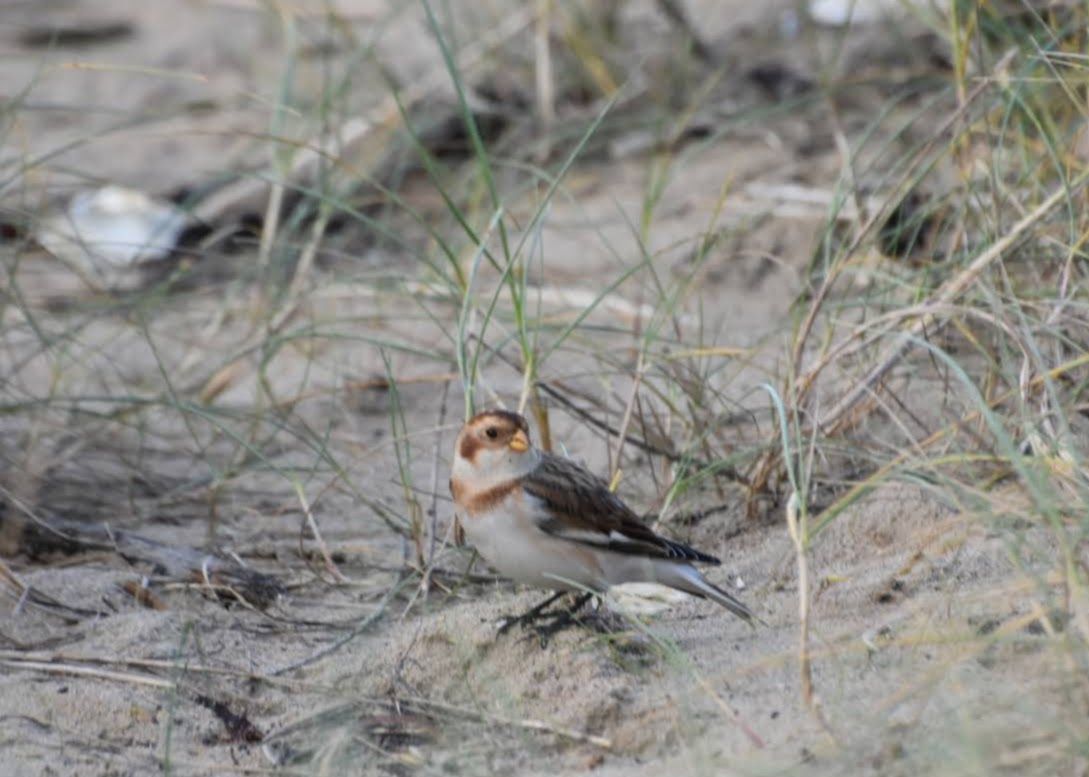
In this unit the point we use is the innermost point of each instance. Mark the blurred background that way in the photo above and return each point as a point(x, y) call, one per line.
point(261, 259)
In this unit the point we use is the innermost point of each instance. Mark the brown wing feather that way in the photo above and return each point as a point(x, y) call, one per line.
point(582, 509)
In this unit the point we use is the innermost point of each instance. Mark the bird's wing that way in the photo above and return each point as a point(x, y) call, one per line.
point(579, 507)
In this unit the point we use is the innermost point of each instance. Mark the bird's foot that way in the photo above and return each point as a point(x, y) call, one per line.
point(530, 616)
point(544, 623)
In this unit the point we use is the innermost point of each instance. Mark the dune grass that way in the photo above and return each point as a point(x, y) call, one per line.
point(956, 365)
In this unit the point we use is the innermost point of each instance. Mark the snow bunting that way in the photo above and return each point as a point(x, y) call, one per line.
point(545, 521)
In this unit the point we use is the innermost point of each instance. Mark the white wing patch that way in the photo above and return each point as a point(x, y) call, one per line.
point(582, 535)
point(547, 522)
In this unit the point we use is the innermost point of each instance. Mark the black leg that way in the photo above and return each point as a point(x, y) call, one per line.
point(564, 619)
point(557, 620)
point(535, 613)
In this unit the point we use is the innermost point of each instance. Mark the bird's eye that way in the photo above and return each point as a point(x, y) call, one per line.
point(492, 432)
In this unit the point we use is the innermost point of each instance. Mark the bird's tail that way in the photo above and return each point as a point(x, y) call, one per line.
point(688, 579)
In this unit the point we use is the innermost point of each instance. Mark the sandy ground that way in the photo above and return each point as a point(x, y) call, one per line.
point(924, 622)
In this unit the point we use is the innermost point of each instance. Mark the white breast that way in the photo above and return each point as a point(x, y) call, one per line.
point(510, 541)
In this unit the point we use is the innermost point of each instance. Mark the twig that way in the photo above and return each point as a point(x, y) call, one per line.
point(330, 565)
point(88, 671)
point(215, 589)
point(153, 664)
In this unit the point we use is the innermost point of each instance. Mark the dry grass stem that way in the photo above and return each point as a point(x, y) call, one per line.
point(798, 528)
point(312, 524)
point(87, 671)
point(946, 295)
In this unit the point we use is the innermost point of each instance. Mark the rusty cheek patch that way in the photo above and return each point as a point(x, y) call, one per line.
point(482, 501)
point(468, 447)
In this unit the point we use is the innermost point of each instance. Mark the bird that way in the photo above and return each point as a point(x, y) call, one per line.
point(546, 521)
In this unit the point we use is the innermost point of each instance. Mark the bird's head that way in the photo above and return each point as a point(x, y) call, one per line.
point(494, 446)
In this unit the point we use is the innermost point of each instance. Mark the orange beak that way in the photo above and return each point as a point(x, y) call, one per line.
point(519, 443)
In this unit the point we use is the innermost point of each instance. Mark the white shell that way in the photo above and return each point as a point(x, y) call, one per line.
point(110, 230)
point(838, 13)
point(645, 598)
